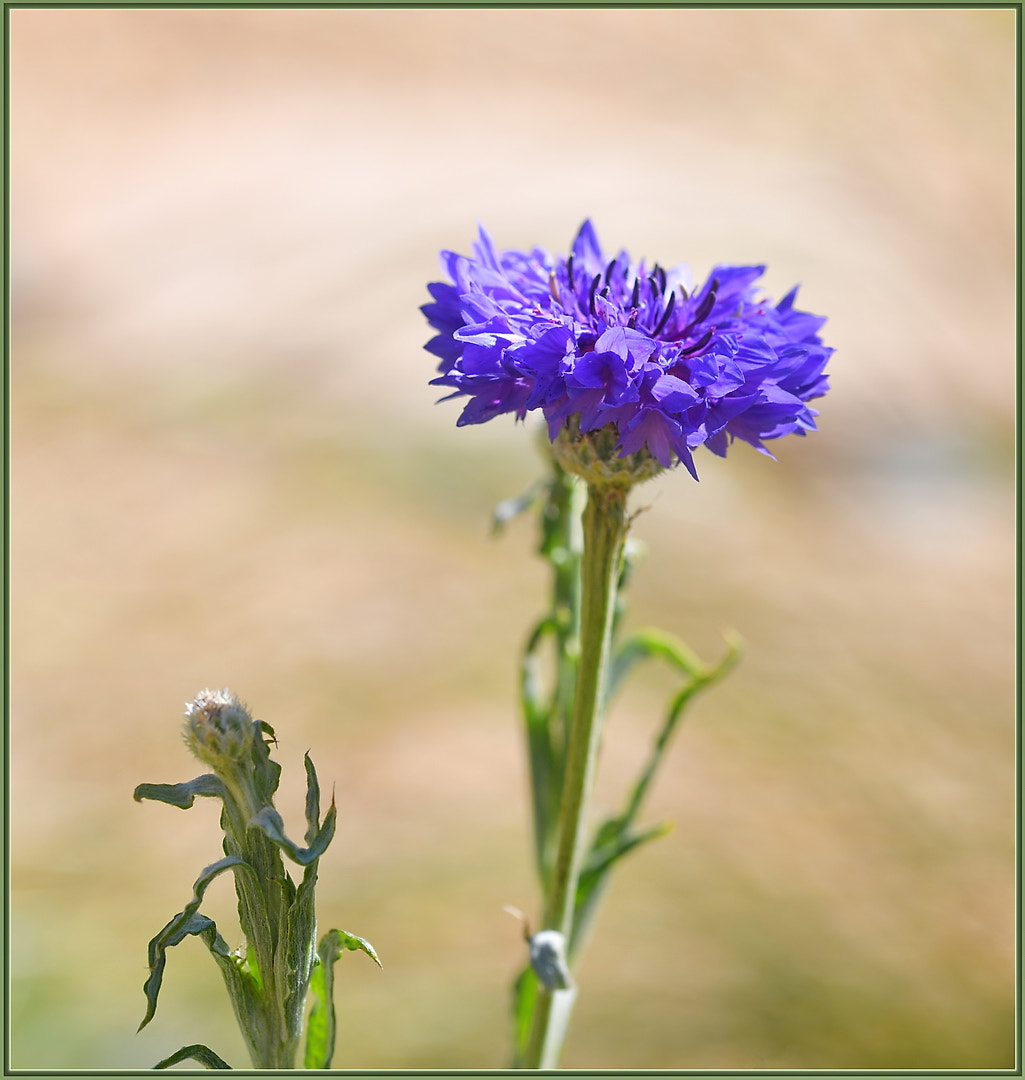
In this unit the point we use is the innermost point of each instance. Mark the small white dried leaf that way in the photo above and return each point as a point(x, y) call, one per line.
point(548, 959)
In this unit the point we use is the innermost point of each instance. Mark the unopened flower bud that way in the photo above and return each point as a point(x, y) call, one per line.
point(218, 728)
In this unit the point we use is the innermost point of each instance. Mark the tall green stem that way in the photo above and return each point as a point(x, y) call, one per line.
point(604, 527)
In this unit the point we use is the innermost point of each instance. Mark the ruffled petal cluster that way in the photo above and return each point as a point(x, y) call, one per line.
point(595, 341)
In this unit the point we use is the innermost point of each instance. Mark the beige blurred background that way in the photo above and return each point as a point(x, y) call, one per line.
point(227, 470)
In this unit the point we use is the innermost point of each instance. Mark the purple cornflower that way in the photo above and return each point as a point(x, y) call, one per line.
point(595, 342)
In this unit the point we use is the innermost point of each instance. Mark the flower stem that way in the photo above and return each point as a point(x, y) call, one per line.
point(604, 528)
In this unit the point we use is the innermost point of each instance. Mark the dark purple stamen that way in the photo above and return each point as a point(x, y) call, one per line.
point(609, 269)
point(698, 346)
point(706, 305)
point(665, 315)
point(636, 294)
point(569, 272)
point(594, 285)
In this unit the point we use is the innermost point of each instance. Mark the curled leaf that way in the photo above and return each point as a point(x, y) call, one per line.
point(321, 1027)
point(181, 795)
point(650, 645)
point(176, 930)
point(271, 823)
point(338, 940)
point(187, 922)
point(198, 1052)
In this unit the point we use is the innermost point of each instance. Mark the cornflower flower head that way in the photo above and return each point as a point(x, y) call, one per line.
point(632, 368)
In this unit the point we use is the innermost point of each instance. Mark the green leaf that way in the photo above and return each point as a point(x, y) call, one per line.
point(187, 922)
point(512, 508)
point(198, 1052)
point(267, 773)
point(616, 837)
point(271, 823)
point(524, 999)
point(545, 762)
point(312, 800)
point(598, 867)
point(174, 932)
point(565, 494)
point(322, 1024)
point(300, 949)
point(341, 939)
point(602, 857)
point(705, 678)
point(320, 1027)
point(181, 795)
point(649, 645)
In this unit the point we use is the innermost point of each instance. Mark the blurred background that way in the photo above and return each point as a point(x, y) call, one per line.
point(227, 469)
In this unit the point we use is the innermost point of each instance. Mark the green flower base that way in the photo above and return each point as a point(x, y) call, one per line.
point(594, 457)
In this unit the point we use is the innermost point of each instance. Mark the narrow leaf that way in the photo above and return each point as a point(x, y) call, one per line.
point(545, 764)
point(185, 923)
point(707, 677)
point(321, 1029)
point(312, 801)
point(271, 823)
point(616, 836)
point(512, 508)
point(524, 998)
point(341, 939)
point(267, 773)
point(175, 931)
point(198, 1052)
point(181, 795)
point(300, 950)
point(650, 645)
point(601, 858)
point(597, 871)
